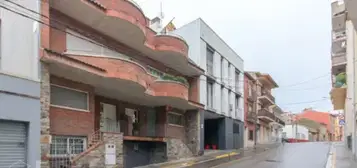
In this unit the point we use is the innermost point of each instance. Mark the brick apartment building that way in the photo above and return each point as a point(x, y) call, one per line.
point(108, 78)
point(263, 118)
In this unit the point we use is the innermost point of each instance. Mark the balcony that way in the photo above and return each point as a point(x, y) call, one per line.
point(266, 115)
point(252, 117)
point(125, 22)
point(266, 97)
point(351, 6)
point(122, 79)
point(338, 42)
point(338, 92)
point(338, 16)
point(252, 95)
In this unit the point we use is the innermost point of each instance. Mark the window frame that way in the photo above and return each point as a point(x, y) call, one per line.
point(68, 146)
point(210, 97)
point(175, 114)
point(209, 49)
point(70, 108)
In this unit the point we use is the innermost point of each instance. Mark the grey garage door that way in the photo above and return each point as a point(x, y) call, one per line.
point(12, 144)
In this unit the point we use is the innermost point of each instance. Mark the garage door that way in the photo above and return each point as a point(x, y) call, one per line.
point(12, 144)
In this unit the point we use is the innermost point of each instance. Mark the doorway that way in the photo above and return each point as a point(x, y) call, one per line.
point(108, 118)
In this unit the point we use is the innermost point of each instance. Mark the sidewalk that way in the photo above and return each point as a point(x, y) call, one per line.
point(341, 157)
point(212, 158)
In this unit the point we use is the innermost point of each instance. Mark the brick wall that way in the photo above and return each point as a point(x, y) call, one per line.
point(66, 121)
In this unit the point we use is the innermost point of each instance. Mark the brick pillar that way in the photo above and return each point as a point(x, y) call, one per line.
point(45, 117)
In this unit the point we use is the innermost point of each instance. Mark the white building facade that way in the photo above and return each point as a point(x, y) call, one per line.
point(221, 88)
point(298, 132)
point(344, 56)
point(19, 84)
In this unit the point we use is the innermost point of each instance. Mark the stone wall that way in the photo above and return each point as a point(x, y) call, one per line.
point(190, 145)
point(177, 149)
point(96, 156)
point(192, 131)
point(45, 116)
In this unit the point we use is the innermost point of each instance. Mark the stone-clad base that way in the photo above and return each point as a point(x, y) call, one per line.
point(96, 157)
point(176, 149)
point(190, 145)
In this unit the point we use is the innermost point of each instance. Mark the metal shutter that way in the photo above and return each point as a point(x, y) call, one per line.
point(12, 144)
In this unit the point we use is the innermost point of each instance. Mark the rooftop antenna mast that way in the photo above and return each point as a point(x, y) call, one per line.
point(161, 14)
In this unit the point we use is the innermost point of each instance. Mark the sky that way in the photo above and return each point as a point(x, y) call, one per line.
point(289, 39)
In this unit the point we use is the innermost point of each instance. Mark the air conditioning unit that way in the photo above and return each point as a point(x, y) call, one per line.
point(230, 107)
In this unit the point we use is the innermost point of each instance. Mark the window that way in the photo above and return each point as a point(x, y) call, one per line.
point(222, 69)
point(67, 146)
point(70, 98)
point(229, 72)
point(209, 55)
point(222, 99)
point(237, 80)
point(209, 94)
point(251, 135)
point(81, 45)
point(237, 104)
point(250, 85)
point(175, 119)
point(230, 103)
point(250, 108)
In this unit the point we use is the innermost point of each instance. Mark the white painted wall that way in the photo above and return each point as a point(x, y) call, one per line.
point(350, 78)
point(198, 34)
point(291, 131)
point(19, 41)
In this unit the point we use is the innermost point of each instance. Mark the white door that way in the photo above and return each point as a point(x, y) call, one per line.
point(108, 118)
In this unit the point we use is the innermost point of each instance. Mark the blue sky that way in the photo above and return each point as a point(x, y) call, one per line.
point(290, 39)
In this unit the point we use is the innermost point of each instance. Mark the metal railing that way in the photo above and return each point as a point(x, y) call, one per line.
point(266, 113)
point(268, 94)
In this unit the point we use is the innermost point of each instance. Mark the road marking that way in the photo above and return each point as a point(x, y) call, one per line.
point(226, 155)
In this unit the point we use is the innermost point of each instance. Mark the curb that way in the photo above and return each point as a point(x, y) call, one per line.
point(221, 159)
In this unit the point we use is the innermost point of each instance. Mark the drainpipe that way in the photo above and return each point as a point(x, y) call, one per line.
point(353, 138)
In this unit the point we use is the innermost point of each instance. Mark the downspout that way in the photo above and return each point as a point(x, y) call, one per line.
point(353, 138)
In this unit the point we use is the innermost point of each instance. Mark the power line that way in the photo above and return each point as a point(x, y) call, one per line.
point(303, 89)
point(299, 83)
point(312, 101)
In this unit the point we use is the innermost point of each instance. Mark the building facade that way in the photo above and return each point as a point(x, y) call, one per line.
point(343, 56)
point(221, 87)
point(109, 82)
point(295, 132)
point(264, 119)
point(250, 113)
point(19, 86)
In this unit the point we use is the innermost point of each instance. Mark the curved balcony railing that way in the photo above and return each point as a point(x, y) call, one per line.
point(269, 95)
point(266, 113)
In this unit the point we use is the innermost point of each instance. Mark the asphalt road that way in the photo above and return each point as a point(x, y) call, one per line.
point(295, 155)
